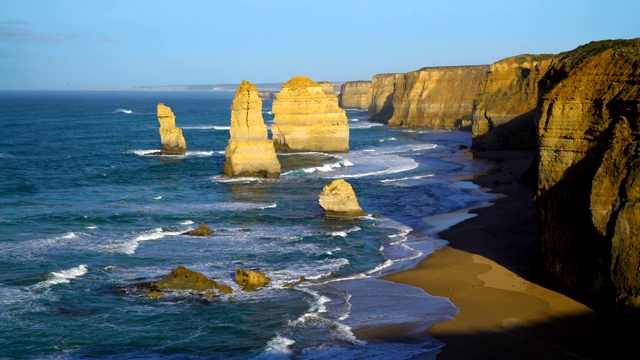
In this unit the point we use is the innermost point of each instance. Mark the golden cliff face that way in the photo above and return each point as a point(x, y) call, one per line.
point(588, 196)
point(437, 97)
point(355, 95)
point(249, 152)
point(504, 109)
point(306, 119)
point(383, 86)
point(173, 142)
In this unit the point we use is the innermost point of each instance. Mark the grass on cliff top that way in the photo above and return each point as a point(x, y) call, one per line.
point(521, 59)
point(593, 48)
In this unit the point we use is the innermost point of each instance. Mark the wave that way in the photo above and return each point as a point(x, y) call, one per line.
point(156, 152)
point(358, 125)
point(341, 163)
point(346, 232)
point(417, 177)
point(64, 276)
point(206, 127)
point(122, 111)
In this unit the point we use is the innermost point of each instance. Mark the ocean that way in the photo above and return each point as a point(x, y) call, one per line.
point(87, 212)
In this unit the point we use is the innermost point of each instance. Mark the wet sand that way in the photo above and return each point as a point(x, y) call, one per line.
point(508, 308)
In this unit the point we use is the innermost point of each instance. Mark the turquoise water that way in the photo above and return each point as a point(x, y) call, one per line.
point(86, 212)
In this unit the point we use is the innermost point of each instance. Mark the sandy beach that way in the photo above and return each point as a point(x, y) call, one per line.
point(491, 271)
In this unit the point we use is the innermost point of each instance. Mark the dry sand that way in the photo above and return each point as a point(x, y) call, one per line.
point(507, 308)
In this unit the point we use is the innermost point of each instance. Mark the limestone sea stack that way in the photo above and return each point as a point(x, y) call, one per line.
point(249, 152)
point(306, 119)
point(170, 136)
point(339, 200)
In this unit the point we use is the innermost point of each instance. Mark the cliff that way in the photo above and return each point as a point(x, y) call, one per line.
point(588, 196)
point(436, 97)
point(249, 152)
point(355, 95)
point(383, 86)
point(171, 138)
point(306, 119)
point(504, 108)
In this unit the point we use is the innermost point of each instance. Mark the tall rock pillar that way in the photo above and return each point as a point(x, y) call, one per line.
point(249, 152)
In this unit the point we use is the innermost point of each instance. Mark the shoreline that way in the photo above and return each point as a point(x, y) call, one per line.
point(490, 269)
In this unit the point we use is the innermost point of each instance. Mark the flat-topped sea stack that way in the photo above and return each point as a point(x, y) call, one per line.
point(339, 200)
point(505, 107)
point(355, 95)
point(249, 152)
point(437, 98)
point(306, 119)
point(173, 142)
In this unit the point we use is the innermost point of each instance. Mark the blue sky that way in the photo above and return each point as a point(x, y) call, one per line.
point(80, 44)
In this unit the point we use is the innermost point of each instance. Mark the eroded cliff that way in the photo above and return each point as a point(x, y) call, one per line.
point(355, 95)
point(307, 119)
point(504, 108)
point(436, 97)
point(588, 196)
point(383, 86)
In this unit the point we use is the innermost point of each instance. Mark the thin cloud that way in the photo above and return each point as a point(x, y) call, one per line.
point(17, 31)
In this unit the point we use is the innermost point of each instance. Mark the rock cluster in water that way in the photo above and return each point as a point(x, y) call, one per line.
point(249, 152)
point(173, 142)
point(307, 119)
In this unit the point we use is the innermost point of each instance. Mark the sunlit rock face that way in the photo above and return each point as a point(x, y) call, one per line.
point(355, 95)
point(383, 87)
point(306, 119)
point(249, 152)
point(173, 142)
point(438, 98)
point(588, 196)
point(504, 109)
point(339, 200)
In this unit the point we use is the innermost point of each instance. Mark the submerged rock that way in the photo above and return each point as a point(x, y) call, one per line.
point(249, 152)
point(339, 200)
point(202, 230)
point(173, 142)
point(182, 278)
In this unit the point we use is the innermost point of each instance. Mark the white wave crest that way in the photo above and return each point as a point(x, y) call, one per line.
point(122, 111)
point(64, 276)
point(277, 348)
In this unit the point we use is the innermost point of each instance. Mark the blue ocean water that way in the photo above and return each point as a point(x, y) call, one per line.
point(86, 211)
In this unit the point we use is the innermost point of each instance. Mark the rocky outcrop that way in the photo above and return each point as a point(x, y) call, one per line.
point(173, 142)
point(202, 230)
point(329, 89)
point(355, 95)
point(251, 280)
point(306, 119)
point(182, 278)
point(436, 97)
point(249, 152)
point(383, 87)
point(504, 109)
point(339, 200)
point(588, 196)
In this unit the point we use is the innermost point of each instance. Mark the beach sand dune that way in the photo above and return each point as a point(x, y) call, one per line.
point(491, 271)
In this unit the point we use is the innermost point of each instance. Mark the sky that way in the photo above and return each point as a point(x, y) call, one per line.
point(85, 44)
